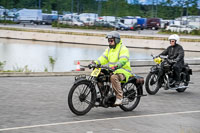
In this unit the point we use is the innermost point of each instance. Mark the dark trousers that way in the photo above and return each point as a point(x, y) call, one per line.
point(177, 67)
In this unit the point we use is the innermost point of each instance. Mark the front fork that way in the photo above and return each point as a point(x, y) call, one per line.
point(166, 82)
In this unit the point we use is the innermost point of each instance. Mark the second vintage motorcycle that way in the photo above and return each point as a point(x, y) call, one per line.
point(161, 75)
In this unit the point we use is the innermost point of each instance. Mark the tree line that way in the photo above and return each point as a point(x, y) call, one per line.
point(166, 9)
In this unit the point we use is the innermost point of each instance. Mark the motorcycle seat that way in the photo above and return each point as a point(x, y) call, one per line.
point(139, 79)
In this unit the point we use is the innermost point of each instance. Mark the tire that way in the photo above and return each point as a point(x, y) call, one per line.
point(32, 22)
point(182, 89)
point(133, 96)
point(78, 89)
point(43, 23)
point(151, 84)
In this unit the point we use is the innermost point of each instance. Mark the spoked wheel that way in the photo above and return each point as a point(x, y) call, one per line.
point(81, 98)
point(152, 83)
point(132, 94)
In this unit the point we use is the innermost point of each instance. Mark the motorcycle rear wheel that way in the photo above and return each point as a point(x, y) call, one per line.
point(151, 84)
point(81, 98)
point(132, 93)
point(182, 89)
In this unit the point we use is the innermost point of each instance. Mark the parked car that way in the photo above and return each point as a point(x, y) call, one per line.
point(180, 28)
point(73, 22)
point(104, 24)
point(173, 28)
point(192, 27)
point(49, 18)
point(187, 29)
point(121, 26)
point(153, 23)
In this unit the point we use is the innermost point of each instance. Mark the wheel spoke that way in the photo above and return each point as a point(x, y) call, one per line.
point(81, 92)
point(130, 92)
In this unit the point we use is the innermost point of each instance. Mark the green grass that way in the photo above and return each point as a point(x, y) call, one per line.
point(7, 22)
point(194, 32)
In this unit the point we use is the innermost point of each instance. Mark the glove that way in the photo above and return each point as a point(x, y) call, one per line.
point(114, 67)
point(92, 64)
point(171, 61)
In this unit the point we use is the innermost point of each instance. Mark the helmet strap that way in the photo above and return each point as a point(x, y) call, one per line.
point(112, 46)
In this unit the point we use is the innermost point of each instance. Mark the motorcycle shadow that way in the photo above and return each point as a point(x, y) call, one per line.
point(109, 113)
point(175, 93)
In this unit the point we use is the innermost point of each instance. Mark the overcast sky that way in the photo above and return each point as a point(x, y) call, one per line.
point(150, 1)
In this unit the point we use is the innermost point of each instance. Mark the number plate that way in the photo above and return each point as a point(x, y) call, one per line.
point(96, 72)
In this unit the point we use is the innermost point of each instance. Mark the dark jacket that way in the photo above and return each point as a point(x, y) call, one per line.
point(176, 53)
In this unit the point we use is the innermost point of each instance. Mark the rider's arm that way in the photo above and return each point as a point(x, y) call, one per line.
point(180, 55)
point(165, 52)
point(123, 57)
point(103, 59)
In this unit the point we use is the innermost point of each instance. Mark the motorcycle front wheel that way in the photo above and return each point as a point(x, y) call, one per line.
point(81, 98)
point(151, 83)
point(132, 94)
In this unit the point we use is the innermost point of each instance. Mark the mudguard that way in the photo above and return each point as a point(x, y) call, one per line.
point(154, 69)
point(138, 81)
point(83, 79)
point(80, 78)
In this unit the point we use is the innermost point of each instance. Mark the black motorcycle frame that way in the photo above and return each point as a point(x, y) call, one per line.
point(104, 96)
point(165, 76)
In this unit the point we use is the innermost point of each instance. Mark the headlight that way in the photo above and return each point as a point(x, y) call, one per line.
point(157, 60)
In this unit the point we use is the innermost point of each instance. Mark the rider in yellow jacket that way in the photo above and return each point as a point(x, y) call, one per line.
point(117, 58)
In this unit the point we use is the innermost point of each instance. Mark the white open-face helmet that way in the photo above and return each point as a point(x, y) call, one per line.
point(174, 37)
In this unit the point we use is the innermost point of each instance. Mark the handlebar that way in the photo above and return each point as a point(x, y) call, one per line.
point(93, 66)
point(161, 56)
point(165, 58)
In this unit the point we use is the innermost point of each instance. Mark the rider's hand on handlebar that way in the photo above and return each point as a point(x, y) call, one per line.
point(92, 64)
point(171, 61)
point(114, 68)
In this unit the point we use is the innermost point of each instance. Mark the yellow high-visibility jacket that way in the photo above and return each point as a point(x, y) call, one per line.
point(117, 57)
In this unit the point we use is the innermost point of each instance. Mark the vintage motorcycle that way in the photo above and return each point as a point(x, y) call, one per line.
point(96, 91)
point(161, 75)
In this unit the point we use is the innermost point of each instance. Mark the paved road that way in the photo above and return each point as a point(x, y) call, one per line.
point(153, 33)
point(39, 105)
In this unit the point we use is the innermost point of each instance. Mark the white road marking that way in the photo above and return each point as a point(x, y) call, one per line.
point(96, 120)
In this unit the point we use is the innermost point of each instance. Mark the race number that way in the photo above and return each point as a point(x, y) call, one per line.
point(96, 72)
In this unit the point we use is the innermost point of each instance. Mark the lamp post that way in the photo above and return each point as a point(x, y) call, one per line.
point(72, 8)
point(152, 8)
point(39, 4)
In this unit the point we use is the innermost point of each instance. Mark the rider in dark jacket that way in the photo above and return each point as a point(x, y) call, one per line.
point(175, 54)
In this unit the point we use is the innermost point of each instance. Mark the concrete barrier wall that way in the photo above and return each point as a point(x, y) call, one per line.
point(138, 43)
point(139, 67)
point(141, 63)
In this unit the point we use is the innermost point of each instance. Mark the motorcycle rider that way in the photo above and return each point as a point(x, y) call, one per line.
point(175, 54)
point(117, 58)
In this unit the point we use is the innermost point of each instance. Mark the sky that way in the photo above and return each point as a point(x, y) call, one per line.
point(150, 1)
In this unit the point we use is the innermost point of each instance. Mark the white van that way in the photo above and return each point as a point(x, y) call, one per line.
point(88, 18)
point(129, 21)
point(34, 16)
